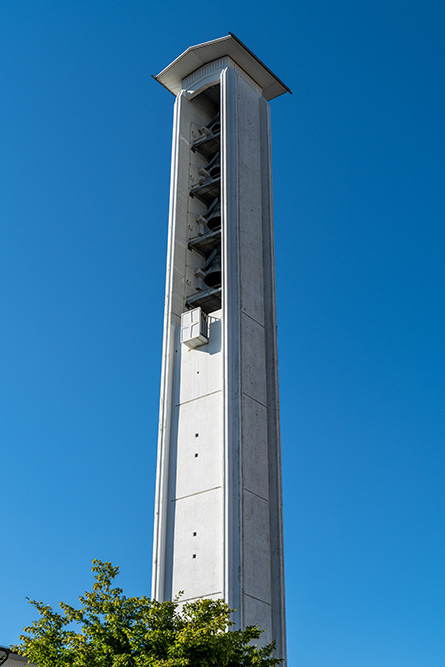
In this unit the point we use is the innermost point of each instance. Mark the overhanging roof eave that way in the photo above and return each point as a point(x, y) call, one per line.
point(196, 56)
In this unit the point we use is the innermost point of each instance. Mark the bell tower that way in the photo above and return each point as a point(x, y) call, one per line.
point(218, 509)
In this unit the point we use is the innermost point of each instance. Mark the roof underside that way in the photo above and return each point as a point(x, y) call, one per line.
point(201, 54)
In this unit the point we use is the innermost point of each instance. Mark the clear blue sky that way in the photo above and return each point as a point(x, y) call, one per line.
point(358, 153)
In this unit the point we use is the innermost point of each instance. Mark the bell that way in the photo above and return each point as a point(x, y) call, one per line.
point(211, 128)
point(213, 215)
point(214, 124)
point(212, 269)
point(214, 166)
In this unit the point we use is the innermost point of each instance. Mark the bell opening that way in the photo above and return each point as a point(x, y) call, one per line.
point(205, 190)
point(213, 279)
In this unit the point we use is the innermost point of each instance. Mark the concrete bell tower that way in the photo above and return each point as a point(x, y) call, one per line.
point(218, 514)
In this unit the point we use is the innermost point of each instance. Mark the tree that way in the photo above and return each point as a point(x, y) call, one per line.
point(111, 630)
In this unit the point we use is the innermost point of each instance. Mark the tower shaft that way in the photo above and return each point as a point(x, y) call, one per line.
point(218, 512)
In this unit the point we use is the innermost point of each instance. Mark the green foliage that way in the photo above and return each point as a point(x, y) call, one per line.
point(116, 631)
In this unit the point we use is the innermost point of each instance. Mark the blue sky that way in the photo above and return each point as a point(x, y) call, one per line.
point(359, 214)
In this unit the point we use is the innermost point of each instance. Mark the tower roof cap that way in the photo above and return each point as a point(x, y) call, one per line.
point(196, 56)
